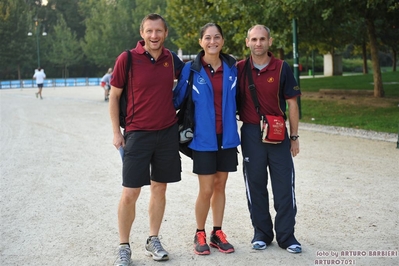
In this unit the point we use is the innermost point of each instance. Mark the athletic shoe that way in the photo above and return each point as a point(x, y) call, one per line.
point(294, 249)
point(218, 240)
point(124, 256)
point(154, 248)
point(36, 94)
point(200, 245)
point(259, 245)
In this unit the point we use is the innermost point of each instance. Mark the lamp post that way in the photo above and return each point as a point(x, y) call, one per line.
point(37, 27)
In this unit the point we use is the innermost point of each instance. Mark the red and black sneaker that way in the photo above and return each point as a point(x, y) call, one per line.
point(200, 245)
point(218, 240)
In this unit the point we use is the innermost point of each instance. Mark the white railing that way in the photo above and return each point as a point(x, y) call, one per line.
point(59, 82)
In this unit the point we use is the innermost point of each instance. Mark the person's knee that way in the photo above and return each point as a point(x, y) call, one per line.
point(130, 195)
point(219, 183)
point(206, 192)
point(158, 189)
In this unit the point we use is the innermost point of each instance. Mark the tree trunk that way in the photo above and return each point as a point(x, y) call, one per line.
point(394, 55)
point(378, 88)
point(364, 53)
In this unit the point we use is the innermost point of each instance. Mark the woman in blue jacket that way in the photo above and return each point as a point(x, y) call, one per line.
point(216, 137)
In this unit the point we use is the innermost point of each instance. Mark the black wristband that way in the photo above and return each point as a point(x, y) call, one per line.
point(294, 137)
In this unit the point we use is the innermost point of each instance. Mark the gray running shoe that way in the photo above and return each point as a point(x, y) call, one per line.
point(124, 256)
point(154, 248)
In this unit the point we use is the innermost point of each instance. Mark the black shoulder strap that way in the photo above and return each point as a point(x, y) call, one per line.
point(128, 65)
point(189, 93)
point(123, 99)
point(251, 85)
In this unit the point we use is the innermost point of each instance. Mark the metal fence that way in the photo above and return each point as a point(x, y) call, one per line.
point(68, 82)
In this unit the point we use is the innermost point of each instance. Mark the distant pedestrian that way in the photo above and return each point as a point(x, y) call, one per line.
point(40, 76)
point(105, 84)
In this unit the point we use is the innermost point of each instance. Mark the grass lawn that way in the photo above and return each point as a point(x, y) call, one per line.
point(347, 110)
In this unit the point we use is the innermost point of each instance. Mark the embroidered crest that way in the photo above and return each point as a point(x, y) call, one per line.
point(270, 79)
point(201, 80)
point(166, 64)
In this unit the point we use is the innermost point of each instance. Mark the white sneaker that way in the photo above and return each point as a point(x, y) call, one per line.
point(294, 249)
point(154, 248)
point(124, 256)
point(259, 245)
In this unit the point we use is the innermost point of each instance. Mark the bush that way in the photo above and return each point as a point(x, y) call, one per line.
point(348, 65)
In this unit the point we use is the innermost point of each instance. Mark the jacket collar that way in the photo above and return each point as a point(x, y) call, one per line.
point(197, 64)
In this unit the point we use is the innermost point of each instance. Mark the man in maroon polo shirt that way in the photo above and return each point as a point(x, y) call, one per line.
point(150, 143)
point(275, 86)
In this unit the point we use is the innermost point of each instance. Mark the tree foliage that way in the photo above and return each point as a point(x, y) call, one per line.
point(188, 16)
point(108, 31)
point(104, 28)
point(16, 50)
point(65, 48)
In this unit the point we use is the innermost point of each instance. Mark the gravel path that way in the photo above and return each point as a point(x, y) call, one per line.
point(60, 184)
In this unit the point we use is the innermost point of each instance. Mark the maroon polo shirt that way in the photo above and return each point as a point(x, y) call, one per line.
point(269, 81)
point(150, 98)
point(216, 78)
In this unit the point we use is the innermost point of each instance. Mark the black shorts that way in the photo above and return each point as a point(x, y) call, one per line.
point(40, 85)
point(210, 162)
point(151, 155)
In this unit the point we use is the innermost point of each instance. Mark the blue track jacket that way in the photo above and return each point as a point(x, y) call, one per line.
point(204, 113)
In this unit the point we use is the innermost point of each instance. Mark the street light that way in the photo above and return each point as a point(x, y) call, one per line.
point(37, 26)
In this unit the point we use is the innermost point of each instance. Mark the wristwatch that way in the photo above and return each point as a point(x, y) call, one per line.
point(294, 137)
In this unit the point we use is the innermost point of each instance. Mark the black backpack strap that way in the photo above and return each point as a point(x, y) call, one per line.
point(128, 64)
point(189, 112)
point(123, 99)
point(190, 88)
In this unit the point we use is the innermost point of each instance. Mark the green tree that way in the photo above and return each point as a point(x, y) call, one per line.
point(71, 12)
point(388, 31)
point(332, 25)
point(372, 11)
point(65, 50)
point(108, 30)
point(16, 50)
point(144, 8)
point(186, 17)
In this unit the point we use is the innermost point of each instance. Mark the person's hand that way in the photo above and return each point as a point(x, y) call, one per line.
point(294, 147)
point(118, 140)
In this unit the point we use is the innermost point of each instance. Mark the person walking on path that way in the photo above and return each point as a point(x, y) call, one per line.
point(215, 132)
point(150, 142)
point(105, 83)
point(275, 86)
point(40, 76)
